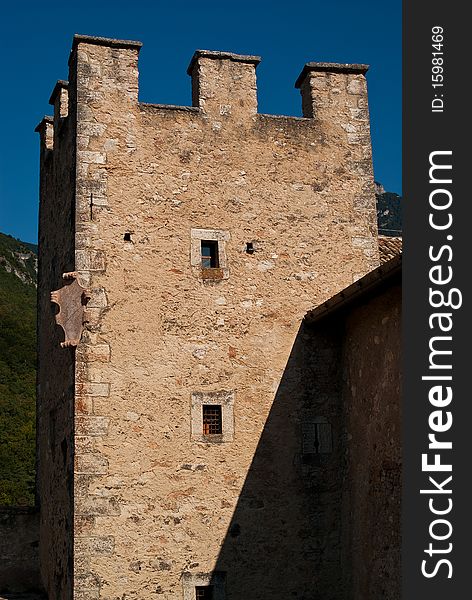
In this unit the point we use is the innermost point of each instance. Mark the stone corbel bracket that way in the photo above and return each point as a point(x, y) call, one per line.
point(71, 299)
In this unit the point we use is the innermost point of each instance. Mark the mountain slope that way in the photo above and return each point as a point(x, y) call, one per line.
point(389, 212)
point(18, 265)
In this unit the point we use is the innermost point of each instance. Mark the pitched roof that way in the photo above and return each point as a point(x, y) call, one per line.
point(386, 274)
point(389, 247)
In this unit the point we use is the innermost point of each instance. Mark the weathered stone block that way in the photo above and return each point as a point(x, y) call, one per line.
point(363, 242)
point(90, 260)
point(98, 298)
point(356, 86)
point(84, 443)
point(99, 352)
point(83, 525)
point(91, 129)
point(94, 545)
point(93, 318)
point(91, 426)
point(97, 506)
point(90, 463)
point(81, 594)
point(97, 158)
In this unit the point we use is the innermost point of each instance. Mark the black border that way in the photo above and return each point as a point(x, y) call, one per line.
point(423, 133)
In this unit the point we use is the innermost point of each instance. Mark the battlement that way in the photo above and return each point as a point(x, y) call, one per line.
point(45, 128)
point(223, 83)
point(60, 99)
point(57, 90)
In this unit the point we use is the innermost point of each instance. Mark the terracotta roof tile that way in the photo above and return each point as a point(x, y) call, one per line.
point(389, 247)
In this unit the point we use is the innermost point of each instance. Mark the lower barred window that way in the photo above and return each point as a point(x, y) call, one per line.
point(212, 423)
point(212, 419)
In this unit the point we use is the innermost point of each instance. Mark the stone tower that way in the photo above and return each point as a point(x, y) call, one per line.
point(179, 453)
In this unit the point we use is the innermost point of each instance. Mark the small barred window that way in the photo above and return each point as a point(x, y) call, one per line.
point(212, 422)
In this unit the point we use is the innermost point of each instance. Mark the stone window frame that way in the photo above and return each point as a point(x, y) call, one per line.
point(225, 399)
point(214, 235)
point(217, 579)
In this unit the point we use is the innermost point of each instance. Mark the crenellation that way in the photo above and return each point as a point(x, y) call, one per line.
point(224, 84)
point(60, 100)
point(46, 132)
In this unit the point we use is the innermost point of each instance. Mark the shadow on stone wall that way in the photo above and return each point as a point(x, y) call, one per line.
point(19, 558)
point(318, 517)
point(284, 537)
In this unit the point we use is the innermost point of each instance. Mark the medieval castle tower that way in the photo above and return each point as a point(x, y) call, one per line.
point(183, 453)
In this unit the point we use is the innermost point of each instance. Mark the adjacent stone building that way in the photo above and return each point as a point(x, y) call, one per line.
point(352, 365)
point(181, 452)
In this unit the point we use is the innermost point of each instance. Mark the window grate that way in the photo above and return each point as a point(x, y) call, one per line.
point(316, 438)
point(212, 424)
point(209, 250)
point(204, 592)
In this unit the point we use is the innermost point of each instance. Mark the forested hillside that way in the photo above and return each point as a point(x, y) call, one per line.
point(18, 266)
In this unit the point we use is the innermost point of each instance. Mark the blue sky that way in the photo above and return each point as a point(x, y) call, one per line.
point(36, 39)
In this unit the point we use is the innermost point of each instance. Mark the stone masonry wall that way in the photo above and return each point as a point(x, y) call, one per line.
point(352, 377)
point(285, 533)
point(154, 506)
point(55, 393)
point(19, 542)
point(371, 397)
